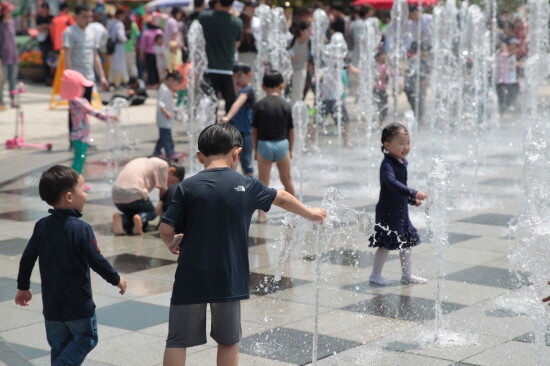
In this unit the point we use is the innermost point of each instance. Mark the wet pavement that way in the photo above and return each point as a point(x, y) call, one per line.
point(483, 304)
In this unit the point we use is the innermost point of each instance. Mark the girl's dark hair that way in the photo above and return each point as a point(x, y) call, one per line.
point(219, 139)
point(390, 131)
point(174, 74)
point(160, 35)
point(273, 79)
point(55, 182)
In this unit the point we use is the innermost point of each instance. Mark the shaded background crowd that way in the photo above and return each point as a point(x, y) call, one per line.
point(137, 40)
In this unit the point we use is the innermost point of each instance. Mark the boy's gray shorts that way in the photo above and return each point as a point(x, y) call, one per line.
point(187, 324)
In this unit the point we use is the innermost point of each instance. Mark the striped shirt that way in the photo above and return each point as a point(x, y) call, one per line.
point(82, 43)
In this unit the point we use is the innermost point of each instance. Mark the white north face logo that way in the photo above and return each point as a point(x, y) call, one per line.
point(239, 189)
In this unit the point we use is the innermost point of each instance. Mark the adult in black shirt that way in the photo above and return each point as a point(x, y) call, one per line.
point(43, 22)
point(273, 133)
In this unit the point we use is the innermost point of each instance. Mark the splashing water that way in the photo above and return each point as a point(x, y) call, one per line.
point(320, 26)
point(330, 84)
point(531, 252)
point(369, 40)
point(437, 219)
point(342, 225)
point(199, 112)
point(396, 38)
point(279, 58)
point(263, 13)
point(118, 141)
point(300, 117)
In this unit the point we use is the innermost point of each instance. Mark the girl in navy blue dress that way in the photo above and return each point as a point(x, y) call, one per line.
point(395, 230)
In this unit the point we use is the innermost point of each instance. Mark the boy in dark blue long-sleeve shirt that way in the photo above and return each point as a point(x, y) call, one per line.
point(66, 249)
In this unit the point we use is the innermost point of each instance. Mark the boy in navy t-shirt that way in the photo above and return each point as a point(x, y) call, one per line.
point(213, 210)
point(240, 114)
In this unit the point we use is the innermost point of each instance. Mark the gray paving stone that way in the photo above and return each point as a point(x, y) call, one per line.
point(132, 315)
point(490, 276)
point(8, 288)
point(402, 307)
point(24, 215)
point(12, 247)
point(291, 345)
point(489, 219)
point(349, 257)
point(130, 263)
point(264, 284)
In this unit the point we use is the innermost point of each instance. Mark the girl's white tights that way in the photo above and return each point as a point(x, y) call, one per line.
point(405, 256)
point(406, 268)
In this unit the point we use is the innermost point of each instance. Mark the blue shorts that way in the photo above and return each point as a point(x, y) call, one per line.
point(273, 150)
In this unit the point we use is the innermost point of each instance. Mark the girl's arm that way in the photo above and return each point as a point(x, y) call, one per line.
point(241, 100)
point(387, 175)
point(97, 114)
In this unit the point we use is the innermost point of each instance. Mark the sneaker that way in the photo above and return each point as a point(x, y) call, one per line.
point(138, 225)
point(413, 279)
point(118, 228)
point(379, 281)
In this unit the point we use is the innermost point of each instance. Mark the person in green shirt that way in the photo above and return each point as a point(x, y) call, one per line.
point(222, 33)
point(132, 34)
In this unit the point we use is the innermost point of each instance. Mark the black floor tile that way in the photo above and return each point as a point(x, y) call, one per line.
point(490, 276)
point(292, 346)
point(402, 307)
point(130, 263)
point(8, 288)
point(530, 338)
point(132, 315)
point(489, 219)
point(348, 257)
point(24, 215)
point(264, 284)
point(503, 182)
point(14, 246)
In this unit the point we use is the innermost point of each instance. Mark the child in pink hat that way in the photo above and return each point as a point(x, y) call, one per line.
point(72, 89)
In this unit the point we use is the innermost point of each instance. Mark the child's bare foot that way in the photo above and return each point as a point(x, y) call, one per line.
point(138, 225)
point(379, 281)
point(118, 228)
point(413, 279)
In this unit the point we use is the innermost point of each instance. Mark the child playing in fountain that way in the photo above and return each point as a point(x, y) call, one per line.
point(394, 230)
point(66, 249)
point(240, 114)
point(273, 133)
point(72, 89)
point(166, 115)
point(213, 210)
point(130, 192)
